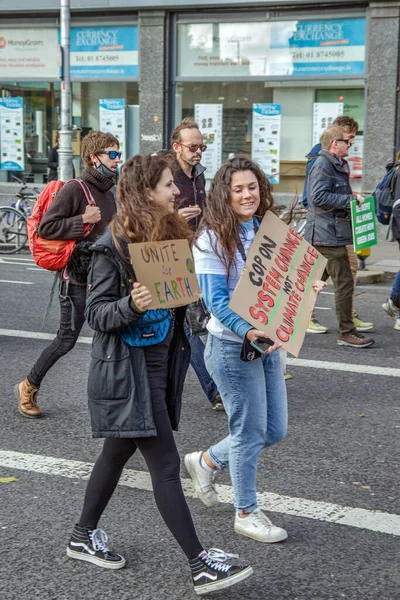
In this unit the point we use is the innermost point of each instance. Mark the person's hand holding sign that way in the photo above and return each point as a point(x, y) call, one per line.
point(319, 285)
point(141, 296)
point(253, 334)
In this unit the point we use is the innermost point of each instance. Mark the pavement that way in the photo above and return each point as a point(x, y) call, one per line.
point(333, 483)
point(384, 261)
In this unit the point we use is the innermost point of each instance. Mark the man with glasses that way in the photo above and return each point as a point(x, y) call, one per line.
point(328, 226)
point(65, 220)
point(187, 143)
point(188, 146)
point(350, 127)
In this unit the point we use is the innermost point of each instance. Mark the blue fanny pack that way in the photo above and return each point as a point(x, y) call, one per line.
point(151, 329)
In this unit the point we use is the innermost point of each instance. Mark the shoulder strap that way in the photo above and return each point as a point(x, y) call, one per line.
point(391, 184)
point(88, 227)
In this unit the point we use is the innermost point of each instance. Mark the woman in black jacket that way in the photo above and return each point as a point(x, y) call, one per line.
point(139, 362)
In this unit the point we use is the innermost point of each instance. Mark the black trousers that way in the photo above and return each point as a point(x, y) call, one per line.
point(162, 459)
point(66, 337)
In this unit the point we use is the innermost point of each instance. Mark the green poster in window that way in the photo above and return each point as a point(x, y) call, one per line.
point(363, 220)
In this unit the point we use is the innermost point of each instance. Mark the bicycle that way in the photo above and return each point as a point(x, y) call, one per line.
point(13, 219)
point(295, 217)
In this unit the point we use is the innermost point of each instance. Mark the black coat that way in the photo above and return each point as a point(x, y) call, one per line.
point(329, 196)
point(118, 387)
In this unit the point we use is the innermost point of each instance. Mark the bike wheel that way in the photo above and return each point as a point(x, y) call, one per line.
point(13, 230)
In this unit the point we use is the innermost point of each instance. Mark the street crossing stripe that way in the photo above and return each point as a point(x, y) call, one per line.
point(348, 367)
point(292, 362)
point(361, 518)
point(19, 282)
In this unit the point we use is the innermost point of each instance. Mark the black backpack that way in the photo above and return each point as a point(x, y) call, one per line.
point(383, 195)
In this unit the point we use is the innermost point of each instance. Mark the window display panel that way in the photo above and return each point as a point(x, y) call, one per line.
point(288, 154)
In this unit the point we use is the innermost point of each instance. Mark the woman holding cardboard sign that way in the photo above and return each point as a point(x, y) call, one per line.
point(244, 366)
point(139, 362)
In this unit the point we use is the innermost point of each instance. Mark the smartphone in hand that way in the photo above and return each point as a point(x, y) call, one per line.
point(262, 344)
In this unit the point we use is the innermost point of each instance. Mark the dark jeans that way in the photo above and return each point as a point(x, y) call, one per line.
point(66, 337)
point(395, 293)
point(197, 362)
point(338, 269)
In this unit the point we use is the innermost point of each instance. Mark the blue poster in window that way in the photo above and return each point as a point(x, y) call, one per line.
point(104, 52)
point(335, 47)
point(266, 139)
point(12, 134)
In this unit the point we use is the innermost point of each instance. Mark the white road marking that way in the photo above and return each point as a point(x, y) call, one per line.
point(11, 259)
point(336, 366)
point(329, 293)
point(294, 362)
point(19, 282)
point(360, 518)
point(37, 335)
point(13, 264)
point(37, 269)
point(322, 308)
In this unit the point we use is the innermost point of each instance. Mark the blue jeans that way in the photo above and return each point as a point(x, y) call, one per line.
point(197, 362)
point(395, 293)
point(254, 397)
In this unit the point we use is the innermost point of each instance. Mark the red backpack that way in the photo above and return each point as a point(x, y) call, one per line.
point(53, 255)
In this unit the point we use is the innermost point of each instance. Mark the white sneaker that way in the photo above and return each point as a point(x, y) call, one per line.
point(258, 527)
point(204, 481)
point(397, 324)
point(390, 309)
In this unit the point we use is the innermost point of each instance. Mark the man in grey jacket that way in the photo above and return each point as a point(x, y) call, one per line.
point(328, 226)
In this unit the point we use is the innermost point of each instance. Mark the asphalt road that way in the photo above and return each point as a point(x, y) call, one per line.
point(341, 453)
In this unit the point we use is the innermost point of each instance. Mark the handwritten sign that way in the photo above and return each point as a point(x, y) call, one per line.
point(363, 221)
point(275, 292)
point(167, 270)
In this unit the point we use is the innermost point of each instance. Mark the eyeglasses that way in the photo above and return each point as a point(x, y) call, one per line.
point(113, 154)
point(348, 142)
point(195, 147)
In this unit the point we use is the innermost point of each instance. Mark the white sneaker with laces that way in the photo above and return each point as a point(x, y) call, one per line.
point(203, 481)
point(258, 527)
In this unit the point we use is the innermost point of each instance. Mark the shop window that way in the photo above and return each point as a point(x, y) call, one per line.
point(41, 110)
point(296, 132)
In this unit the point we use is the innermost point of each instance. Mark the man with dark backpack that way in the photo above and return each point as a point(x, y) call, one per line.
point(66, 219)
point(392, 304)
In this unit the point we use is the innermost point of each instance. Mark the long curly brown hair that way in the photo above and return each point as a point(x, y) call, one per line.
point(219, 216)
point(139, 218)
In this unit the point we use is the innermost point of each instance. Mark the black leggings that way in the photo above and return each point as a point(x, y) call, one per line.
point(163, 462)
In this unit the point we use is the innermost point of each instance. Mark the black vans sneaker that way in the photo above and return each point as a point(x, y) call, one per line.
point(91, 545)
point(211, 573)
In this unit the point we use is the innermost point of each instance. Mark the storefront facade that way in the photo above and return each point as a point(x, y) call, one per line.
point(262, 78)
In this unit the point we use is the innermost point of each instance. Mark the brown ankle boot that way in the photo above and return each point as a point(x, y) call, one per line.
point(26, 394)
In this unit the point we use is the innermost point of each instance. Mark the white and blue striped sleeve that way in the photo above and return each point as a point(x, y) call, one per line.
point(213, 281)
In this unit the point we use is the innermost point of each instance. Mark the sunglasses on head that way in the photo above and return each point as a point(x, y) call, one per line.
point(195, 147)
point(113, 154)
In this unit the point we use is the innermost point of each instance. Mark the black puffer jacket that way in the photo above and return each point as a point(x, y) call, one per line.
point(329, 195)
point(118, 387)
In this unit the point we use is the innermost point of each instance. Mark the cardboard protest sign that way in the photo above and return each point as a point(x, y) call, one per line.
point(275, 292)
point(363, 222)
point(167, 270)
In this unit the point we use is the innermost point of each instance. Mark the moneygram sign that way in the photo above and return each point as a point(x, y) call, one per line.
point(29, 54)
